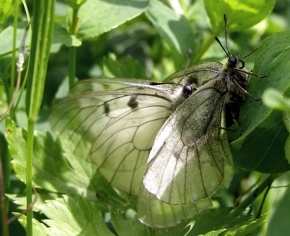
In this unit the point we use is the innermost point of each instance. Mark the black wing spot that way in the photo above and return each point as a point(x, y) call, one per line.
point(133, 103)
point(106, 108)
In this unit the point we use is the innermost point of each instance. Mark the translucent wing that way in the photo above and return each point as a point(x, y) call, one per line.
point(197, 74)
point(115, 129)
point(155, 213)
point(190, 158)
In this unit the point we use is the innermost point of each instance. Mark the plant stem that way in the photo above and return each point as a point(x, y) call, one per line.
point(204, 48)
point(41, 39)
point(72, 50)
point(72, 66)
point(254, 195)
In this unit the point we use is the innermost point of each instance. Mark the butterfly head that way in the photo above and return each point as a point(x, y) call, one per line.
point(235, 62)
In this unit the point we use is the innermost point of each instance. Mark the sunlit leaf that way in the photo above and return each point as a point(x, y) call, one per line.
point(272, 61)
point(63, 221)
point(173, 27)
point(241, 15)
point(93, 12)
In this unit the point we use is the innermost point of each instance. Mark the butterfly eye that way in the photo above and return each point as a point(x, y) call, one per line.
point(187, 90)
point(232, 61)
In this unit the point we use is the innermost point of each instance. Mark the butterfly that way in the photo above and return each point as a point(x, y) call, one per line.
point(164, 142)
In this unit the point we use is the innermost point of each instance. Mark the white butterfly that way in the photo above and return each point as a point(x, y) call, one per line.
point(117, 120)
point(117, 123)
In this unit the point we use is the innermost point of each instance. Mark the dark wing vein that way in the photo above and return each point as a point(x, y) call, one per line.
point(193, 131)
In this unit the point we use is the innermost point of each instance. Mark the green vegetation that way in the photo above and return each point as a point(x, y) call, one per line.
point(74, 40)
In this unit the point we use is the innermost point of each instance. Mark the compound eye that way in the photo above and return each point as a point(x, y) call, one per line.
point(233, 61)
point(187, 90)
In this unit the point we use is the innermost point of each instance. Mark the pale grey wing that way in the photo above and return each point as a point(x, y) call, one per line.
point(156, 213)
point(190, 158)
point(107, 84)
point(114, 129)
point(197, 74)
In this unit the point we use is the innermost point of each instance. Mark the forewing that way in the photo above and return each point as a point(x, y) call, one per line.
point(190, 158)
point(197, 74)
point(115, 129)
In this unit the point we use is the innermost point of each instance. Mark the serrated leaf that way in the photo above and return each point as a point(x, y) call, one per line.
point(93, 12)
point(51, 170)
point(174, 28)
point(39, 229)
point(262, 126)
point(63, 221)
point(127, 227)
point(240, 14)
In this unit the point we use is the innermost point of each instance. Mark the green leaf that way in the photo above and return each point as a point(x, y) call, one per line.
point(63, 221)
point(286, 118)
point(125, 67)
point(240, 14)
point(215, 232)
point(275, 100)
point(52, 170)
point(75, 4)
point(247, 228)
point(39, 229)
point(279, 219)
point(97, 16)
point(129, 226)
point(6, 39)
point(264, 134)
point(61, 36)
point(263, 149)
point(174, 28)
point(215, 221)
point(6, 10)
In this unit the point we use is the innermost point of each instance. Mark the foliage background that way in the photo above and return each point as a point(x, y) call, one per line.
point(135, 40)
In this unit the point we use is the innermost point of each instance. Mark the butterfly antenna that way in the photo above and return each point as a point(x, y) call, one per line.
point(226, 32)
point(226, 50)
point(249, 53)
point(189, 54)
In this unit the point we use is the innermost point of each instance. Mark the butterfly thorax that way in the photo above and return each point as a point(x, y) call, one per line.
point(236, 82)
point(235, 79)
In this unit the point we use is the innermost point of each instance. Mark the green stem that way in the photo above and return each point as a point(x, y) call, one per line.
point(72, 50)
point(75, 22)
point(13, 59)
point(41, 39)
point(254, 195)
point(204, 48)
point(3, 201)
point(29, 154)
point(72, 66)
